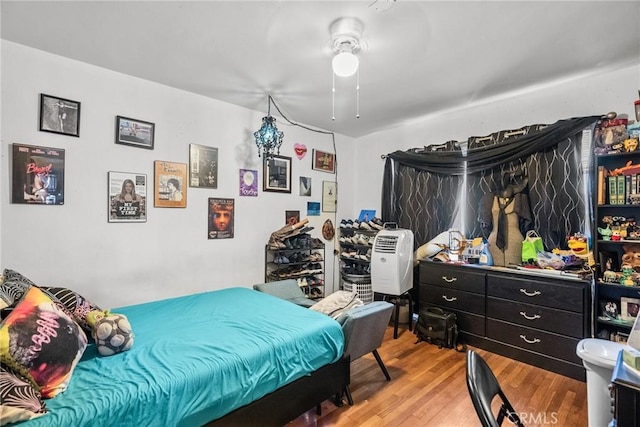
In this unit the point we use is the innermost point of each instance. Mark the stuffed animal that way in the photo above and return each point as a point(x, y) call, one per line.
point(631, 256)
point(111, 332)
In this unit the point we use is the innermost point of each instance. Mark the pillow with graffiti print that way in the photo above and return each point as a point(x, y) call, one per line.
point(41, 342)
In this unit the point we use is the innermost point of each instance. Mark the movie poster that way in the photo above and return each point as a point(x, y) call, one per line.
point(127, 197)
point(221, 215)
point(38, 175)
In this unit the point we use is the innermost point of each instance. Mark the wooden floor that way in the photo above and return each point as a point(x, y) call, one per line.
point(428, 388)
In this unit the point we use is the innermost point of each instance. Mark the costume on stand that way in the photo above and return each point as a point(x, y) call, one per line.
point(505, 216)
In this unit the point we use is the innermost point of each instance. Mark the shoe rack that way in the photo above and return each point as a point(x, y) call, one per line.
point(302, 259)
point(356, 242)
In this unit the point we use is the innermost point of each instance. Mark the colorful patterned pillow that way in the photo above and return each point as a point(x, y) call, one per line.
point(13, 286)
point(19, 400)
point(41, 342)
point(76, 305)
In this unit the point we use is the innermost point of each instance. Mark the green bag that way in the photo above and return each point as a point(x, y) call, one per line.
point(531, 245)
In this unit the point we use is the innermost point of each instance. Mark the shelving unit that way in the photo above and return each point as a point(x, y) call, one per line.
point(302, 259)
point(618, 211)
point(355, 261)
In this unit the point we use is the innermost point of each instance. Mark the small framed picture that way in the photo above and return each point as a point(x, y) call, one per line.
point(221, 216)
point(609, 310)
point(203, 166)
point(322, 161)
point(305, 186)
point(329, 200)
point(170, 180)
point(313, 208)
point(135, 132)
point(291, 217)
point(127, 197)
point(59, 115)
point(276, 174)
point(629, 308)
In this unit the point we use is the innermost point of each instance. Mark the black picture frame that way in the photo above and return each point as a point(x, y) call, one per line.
point(276, 174)
point(203, 166)
point(59, 115)
point(134, 132)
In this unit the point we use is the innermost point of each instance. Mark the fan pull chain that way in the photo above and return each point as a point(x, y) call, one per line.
point(333, 96)
point(358, 94)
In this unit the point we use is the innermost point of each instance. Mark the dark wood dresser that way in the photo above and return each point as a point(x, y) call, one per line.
point(536, 319)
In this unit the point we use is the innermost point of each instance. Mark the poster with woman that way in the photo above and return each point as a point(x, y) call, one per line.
point(127, 197)
point(38, 175)
point(221, 215)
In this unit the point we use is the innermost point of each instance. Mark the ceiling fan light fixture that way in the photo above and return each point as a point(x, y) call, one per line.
point(345, 64)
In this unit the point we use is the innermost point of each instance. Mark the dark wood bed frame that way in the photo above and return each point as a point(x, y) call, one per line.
point(287, 403)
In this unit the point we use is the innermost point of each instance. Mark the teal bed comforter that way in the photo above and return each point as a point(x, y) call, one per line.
point(194, 359)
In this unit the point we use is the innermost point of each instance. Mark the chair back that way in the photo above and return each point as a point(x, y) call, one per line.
point(364, 327)
point(483, 387)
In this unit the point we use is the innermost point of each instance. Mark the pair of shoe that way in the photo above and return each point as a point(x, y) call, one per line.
point(315, 257)
point(315, 292)
point(302, 282)
point(281, 259)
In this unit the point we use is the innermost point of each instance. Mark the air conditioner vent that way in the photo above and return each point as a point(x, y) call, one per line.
point(386, 244)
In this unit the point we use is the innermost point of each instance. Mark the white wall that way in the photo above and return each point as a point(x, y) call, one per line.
point(585, 96)
point(123, 263)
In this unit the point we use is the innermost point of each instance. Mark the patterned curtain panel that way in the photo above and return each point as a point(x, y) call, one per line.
point(423, 191)
point(424, 202)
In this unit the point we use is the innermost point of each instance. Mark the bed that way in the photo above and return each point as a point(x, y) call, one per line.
point(228, 357)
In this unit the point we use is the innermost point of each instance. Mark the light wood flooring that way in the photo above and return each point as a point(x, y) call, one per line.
point(428, 388)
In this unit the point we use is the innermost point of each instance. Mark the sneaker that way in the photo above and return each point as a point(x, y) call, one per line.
point(343, 223)
point(365, 226)
point(377, 224)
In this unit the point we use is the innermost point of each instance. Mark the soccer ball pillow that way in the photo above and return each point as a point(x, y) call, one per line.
point(111, 332)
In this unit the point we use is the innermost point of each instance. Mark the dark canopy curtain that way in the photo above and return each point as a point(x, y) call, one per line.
point(422, 190)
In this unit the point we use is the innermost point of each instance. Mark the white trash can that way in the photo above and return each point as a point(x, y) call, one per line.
point(599, 358)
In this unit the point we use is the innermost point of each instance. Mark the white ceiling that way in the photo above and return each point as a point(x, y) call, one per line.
point(421, 57)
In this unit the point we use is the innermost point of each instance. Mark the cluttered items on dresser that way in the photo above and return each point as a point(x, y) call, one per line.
point(438, 327)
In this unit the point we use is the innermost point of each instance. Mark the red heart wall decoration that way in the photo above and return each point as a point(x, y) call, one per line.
point(300, 150)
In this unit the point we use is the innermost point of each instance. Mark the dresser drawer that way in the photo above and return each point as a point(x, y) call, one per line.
point(565, 296)
point(530, 339)
point(452, 299)
point(463, 278)
point(535, 316)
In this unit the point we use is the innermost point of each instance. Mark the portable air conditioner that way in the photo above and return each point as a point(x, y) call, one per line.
point(392, 262)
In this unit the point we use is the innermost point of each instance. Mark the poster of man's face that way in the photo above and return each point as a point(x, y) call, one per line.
point(221, 216)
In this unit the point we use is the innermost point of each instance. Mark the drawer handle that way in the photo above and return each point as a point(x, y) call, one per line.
point(534, 317)
point(533, 341)
point(449, 280)
point(450, 299)
point(530, 294)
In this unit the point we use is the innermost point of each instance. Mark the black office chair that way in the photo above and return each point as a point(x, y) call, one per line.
point(483, 387)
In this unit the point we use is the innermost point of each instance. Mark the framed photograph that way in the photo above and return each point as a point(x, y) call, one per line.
point(305, 186)
point(248, 182)
point(135, 132)
point(170, 180)
point(59, 115)
point(629, 308)
point(221, 215)
point(203, 166)
point(291, 217)
point(276, 174)
point(127, 197)
point(609, 310)
point(329, 200)
point(313, 208)
point(38, 175)
point(325, 162)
